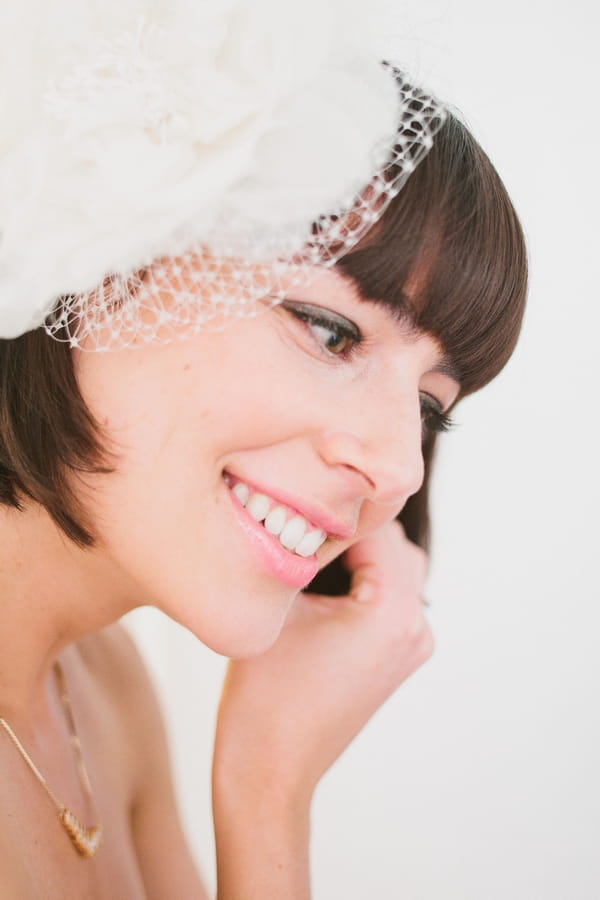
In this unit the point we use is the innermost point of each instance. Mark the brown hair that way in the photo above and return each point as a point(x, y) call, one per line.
point(453, 220)
point(46, 431)
point(454, 226)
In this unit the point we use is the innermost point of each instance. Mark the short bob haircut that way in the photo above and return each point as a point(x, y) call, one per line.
point(452, 229)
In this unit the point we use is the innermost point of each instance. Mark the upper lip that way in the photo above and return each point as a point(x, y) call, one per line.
point(334, 527)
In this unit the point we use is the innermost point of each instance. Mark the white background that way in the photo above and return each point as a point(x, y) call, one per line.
point(478, 780)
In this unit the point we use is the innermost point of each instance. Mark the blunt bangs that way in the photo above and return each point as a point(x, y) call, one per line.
point(449, 255)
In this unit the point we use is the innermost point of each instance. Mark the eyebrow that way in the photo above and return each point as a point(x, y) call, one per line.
point(445, 365)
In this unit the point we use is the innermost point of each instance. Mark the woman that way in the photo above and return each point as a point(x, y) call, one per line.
point(213, 476)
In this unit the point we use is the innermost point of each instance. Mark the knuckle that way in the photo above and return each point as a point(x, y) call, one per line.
point(407, 630)
point(414, 563)
point(421, 560)
point(426, 644)
point(410, 654)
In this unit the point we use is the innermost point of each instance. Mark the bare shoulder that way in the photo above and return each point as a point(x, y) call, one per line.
point(116, 666)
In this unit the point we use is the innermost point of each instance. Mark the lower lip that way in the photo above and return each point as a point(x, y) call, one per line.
point(293, 570)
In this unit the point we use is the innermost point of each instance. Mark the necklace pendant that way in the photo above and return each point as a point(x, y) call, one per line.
point(85, 840)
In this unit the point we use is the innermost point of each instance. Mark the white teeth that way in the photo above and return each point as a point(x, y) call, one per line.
point(293, 532)
point(276, 520)
point(241, 491)
point(310, 543)
point(258, 506)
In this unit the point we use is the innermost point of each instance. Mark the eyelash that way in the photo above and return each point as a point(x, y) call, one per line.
point(432, 417)
point(314, 319)
point(434, 420)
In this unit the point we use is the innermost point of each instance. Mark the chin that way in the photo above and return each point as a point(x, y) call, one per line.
point(236, 645)
point(237, 631)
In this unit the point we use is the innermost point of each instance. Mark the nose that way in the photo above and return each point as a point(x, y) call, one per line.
point(382, 446)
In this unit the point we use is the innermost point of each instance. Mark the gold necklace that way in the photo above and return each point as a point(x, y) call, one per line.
point(85, 840)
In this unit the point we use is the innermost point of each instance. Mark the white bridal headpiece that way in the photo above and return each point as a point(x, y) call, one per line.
point(165, 163)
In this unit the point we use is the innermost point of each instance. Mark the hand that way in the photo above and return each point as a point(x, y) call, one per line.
point(286, 715)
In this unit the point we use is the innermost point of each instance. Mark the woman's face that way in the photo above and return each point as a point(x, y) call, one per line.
point(312, 411)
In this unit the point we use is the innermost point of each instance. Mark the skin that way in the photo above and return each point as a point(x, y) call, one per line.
point(342, 430)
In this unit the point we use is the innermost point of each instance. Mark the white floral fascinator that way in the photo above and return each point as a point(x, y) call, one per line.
point(167, 162)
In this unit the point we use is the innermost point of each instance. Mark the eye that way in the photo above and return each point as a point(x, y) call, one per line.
point(337, 335)
point(432, 416)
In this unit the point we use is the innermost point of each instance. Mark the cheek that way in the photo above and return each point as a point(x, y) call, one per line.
point(123, 392)
point(374, 515)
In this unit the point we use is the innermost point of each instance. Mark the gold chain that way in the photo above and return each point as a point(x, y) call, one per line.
point(85, 840)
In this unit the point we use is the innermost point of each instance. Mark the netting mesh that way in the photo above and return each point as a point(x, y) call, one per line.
point(235, 271)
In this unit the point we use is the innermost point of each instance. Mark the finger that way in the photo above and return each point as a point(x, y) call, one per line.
point(377, 548)
point(385, 561)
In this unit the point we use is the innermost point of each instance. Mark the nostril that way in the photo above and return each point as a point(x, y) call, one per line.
point(360, 474)
point(397, 482)
point(389, 467)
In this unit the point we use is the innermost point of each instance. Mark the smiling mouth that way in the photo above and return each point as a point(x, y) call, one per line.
point(293, 531)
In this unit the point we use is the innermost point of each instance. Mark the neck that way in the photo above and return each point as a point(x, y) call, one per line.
point(51, 594)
